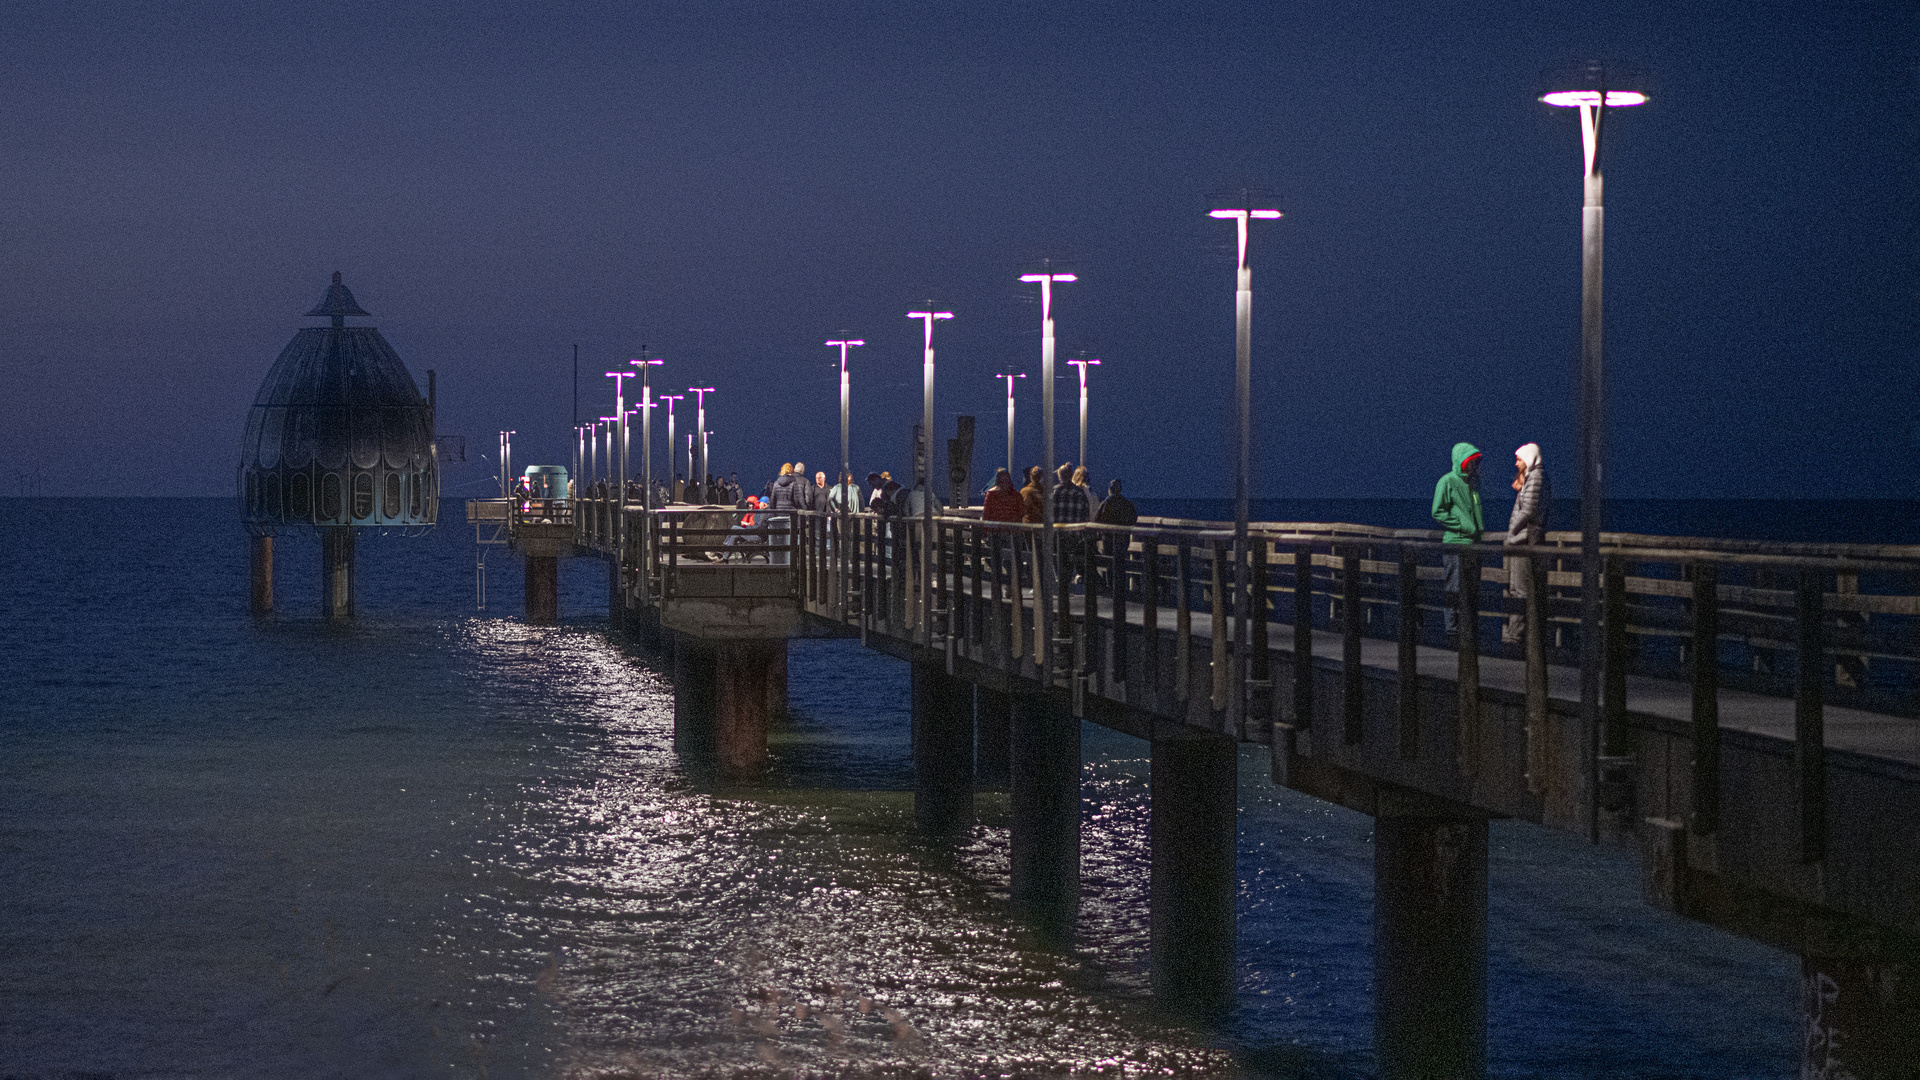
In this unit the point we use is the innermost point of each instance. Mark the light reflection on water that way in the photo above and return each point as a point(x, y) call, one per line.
point(433, 843)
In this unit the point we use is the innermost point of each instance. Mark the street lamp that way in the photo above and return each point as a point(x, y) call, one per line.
point(700, 426)
point(928, 317)
point(506, 459)
point(579, 459)
point(846, 456)
point(670, 399)
point(1047, 543)
point(1010, 378)
point(646, 427)
point(1083, 364)
point(1243, 422)
point(1593, 105)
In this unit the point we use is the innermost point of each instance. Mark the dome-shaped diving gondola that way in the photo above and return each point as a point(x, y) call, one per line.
point(338, 434)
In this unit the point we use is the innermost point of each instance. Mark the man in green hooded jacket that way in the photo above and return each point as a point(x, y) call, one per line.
point(1456, 506)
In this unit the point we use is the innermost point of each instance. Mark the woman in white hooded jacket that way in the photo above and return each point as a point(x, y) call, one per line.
point(1526, 525)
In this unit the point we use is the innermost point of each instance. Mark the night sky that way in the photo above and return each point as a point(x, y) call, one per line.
point(732, 184)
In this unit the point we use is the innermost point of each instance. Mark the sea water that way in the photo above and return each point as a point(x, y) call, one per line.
point(435, 841)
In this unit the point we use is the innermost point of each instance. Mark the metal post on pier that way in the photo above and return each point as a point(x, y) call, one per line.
point(924, 471)
point(1593, 104)
point(1049, 544)
point(1243, 461)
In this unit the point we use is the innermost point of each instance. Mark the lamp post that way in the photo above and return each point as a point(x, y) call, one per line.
point(1243, 464)
point(506, 460)
point(925, 470)
point(646, 427)
point(1083, 364)
point(670, 399)
point(700, 426)
point(1010, 378)
point(1593, 105)
point(1047, 542)
point(579, 458)
point(846, 455)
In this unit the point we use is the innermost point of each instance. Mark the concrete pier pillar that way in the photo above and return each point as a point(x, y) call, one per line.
point(1860, 1018)
point(336, 571)
point(543, 590)
point(742, 670)
point(777, 681)
point(1195, 790)
point(693, 695)
point(991, 720)
point(942, 750)
point(1430, 947)
point(1045, 857)
point(616, 596)
point(261, 566)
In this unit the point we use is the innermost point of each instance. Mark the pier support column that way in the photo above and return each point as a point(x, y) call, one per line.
point(1430, 946)
point(1045, 858)
point(991, 733)
point(616, 596)
point(336, 571)
point(261, 565)
point(543, 590)
point(942, 750)
point(1860, 1018)
point(1195, 807)
point(693, 695)
point(777, 681)
point(742, 670)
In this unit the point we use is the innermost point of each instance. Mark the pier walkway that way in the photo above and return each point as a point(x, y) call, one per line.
point(1758, 738)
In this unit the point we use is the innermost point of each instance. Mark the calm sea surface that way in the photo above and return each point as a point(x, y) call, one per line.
point(438, 842)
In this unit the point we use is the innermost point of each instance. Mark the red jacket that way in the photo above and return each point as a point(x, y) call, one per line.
point(1001, 504)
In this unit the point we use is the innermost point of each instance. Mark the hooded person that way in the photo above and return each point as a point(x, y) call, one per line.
point(1456, 506)
point(1527, 524)
point(1002, 501)
point(875, 482)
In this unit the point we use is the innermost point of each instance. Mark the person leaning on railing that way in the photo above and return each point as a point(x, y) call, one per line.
point(1526, 525)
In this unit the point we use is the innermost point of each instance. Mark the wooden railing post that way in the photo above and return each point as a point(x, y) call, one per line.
point(1469, 660)
point(1409, 658)
point(1535, 650)
point(1809, 719)
point(1260, 673)
point(1219, 609)
point(1706, 698)
point(1150, 620)
point(1614, 689)
point(1353, 612)
point(1183, 628)
point(1303, 637)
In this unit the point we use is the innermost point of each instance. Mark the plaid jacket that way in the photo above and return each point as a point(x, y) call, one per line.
point(1069, 504)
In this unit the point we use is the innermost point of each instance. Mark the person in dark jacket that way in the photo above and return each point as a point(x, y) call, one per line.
point(1032, 498)
point(784, 495)
point(1526, 525)
point(1456, 506)
point(1117, 509)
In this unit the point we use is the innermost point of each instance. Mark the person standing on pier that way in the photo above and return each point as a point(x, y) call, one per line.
point(1526, 525)
point(1456, 506)
point(845, 496)
point(1033, 509)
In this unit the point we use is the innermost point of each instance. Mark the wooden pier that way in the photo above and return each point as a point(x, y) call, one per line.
point(1758, 741)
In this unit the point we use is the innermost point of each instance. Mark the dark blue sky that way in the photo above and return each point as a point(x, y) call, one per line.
point(731, 183)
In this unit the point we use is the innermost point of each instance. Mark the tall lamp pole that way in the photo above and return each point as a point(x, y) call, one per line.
point(1048, 545)
point(1593, 105)
point(925, 477)
point(670, 399)
point(1083, 364)
point(1010, 378)
point(1243, 464)
point(646, 426)
point(846, 455)
point(700, 428)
